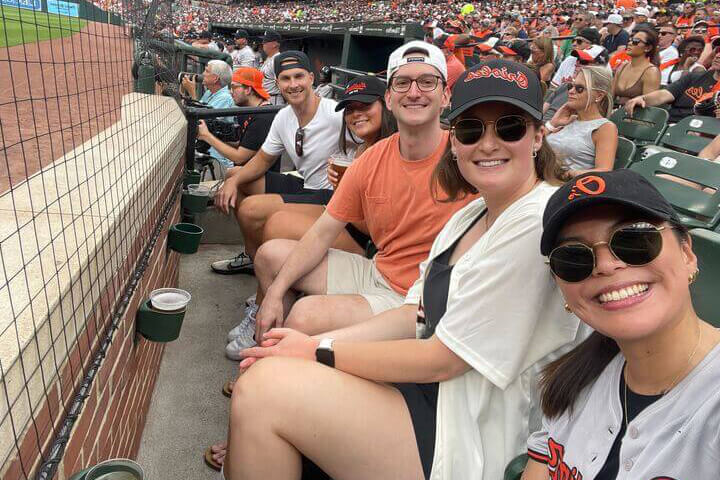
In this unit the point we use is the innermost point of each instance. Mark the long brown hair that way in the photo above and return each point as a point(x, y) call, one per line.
point(562, 380)
point(447, 176)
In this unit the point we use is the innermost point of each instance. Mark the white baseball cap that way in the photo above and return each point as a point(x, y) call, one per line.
point(614, 19)
point(417, 51)
point(642, 11)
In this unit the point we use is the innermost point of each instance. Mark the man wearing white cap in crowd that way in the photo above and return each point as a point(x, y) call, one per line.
point(617, 38)
point(388, 187)
point(642, 15)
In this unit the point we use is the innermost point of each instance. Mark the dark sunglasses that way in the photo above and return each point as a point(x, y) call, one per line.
point(509, 128)
point(662, 34)
point(637, 41)
point(635, 245)
point(299, 141)
point(578, 88)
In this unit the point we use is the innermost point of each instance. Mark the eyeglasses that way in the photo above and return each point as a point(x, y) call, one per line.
point(425, 83)
point(299, 141)
point(509, 128)
point(636, 245)
point(580, 89)
point(666, 33)
point(637, 41)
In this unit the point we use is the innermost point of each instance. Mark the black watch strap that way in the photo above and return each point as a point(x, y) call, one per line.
point(324, 353)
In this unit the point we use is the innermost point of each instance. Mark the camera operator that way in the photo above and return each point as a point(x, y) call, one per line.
point(216, 78)
point(247, 91)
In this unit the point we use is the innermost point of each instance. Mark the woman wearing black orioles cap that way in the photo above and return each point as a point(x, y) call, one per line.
point(447, 396)
point(640, 398)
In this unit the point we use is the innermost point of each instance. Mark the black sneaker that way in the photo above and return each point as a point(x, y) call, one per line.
point(241, 263)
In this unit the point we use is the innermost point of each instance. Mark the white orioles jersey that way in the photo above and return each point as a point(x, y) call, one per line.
point(675, 438)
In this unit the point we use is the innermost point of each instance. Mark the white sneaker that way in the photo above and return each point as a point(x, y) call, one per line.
point(247, 325)
point(233, 349)
point(251, 300)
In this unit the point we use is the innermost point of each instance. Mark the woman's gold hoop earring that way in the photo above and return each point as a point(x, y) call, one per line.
point(693, 277)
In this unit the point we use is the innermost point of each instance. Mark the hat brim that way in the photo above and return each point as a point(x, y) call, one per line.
point(367, 99)
point(555, 224)
point(535, 113)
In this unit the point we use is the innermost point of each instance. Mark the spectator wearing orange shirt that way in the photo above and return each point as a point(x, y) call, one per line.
point(454, 67)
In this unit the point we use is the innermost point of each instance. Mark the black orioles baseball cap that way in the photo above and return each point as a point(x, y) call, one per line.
point(364, 89)
point(618, 187)
point(497, 81)
point(291, 59)
point(271, 36)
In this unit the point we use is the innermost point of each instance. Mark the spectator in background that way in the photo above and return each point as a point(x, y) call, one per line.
point(641, 18)
point(580, 21)
point(682, 94)
point(242, 55)
point(324, 89)
point(628, 21)
point(247, 91)
point(271, 47)
point(455, 68)
point(205, 41)
point(541, 56)
point(585, 39)
point(687, 18)
point(640, 75)
point(666, 45)
point(515, 51)
point(616, 38)
point(216, 79)
point(689, 50)
point(580, 133)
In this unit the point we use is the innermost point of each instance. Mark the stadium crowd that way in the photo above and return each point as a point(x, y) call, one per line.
point(456, 273)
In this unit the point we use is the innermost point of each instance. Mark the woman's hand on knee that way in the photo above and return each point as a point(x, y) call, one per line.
point(282, 342)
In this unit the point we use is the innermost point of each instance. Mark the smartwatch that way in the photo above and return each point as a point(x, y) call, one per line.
point(324, 352)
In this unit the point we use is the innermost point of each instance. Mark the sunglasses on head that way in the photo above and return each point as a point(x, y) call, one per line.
point(636, 245)
point(299, 141)
point(510, 128)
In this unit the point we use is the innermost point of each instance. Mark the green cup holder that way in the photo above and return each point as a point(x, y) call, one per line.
point(158, 325)
point(115, 469)
point(194, 203)
point(191, 177)
point(185, 237)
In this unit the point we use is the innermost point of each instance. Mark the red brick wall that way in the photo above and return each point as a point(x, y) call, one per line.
point(113, 417)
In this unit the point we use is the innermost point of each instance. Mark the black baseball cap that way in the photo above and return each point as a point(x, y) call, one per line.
point(291, 59)
point(240, 33)
point(618, 187)
point(516, 47)
point(497, 81)
point(271, 36)
point(590, 34)
point(364, 89)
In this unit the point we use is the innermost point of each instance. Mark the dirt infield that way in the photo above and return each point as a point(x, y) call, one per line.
point(56, 94)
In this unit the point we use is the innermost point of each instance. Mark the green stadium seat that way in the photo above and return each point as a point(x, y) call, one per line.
point(691, 134)
point(514, 469)
point(696, 208)
point(625, 153)
point(645, 127)
point(706, 245)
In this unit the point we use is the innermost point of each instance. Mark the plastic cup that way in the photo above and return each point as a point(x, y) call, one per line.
point(340, 163)
point(199, 190)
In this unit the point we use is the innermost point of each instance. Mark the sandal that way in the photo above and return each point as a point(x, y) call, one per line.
point(228, 388)
point(210, 461)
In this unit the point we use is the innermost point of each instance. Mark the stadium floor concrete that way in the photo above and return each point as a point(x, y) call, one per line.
point(188, 411)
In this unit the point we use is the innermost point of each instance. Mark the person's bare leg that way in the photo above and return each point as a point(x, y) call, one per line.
point(350, 427)
point(292, 223)
point(252, 213)
point(316, 314)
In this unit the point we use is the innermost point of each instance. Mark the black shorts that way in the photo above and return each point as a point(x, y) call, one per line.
point(421, 400)
point(292, 190)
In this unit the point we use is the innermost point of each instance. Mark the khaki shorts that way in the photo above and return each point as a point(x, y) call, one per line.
point(352, 274)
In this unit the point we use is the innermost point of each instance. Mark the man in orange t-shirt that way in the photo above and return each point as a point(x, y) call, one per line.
point(388, 187)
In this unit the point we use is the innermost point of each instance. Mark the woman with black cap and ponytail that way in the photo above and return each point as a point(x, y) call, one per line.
point(640, 398)
point(448, 394)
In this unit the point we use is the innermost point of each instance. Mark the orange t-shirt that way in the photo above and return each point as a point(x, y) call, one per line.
point(626, 4)
point(454, 70)
point(392, 195)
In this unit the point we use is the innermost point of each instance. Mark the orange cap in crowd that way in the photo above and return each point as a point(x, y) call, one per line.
point(250, 77)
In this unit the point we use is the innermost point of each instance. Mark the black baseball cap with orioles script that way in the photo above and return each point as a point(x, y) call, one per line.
point(497, 81)
point(364, 89)
point(619, 187)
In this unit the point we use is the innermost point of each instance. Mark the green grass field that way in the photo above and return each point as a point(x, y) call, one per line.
point(18, 26)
